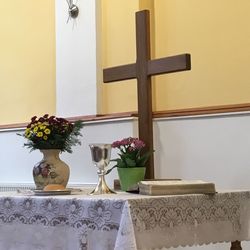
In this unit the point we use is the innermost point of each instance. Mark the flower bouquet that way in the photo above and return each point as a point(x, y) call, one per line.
point(50, 132)
point(130, 152)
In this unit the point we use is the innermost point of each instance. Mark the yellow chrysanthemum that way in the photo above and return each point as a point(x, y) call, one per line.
point(27, 131)
point(42, 126)
point(45, 137)
point(35, 129)
point(28, 135)
point(39, 134)
point(47, 131)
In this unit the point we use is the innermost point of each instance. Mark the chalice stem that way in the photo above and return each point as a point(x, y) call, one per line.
point(101, 187)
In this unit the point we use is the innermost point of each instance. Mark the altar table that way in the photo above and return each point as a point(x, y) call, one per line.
point(122, 222)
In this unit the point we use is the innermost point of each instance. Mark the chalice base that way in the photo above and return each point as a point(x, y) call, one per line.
point(102, 188)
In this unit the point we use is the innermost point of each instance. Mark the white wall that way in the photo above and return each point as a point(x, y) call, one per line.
point(76, 60)
point(213, 148)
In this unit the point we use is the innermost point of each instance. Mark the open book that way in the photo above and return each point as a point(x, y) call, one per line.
point(168, 187)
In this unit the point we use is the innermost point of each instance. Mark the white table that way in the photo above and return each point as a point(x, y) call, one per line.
point(123, 221)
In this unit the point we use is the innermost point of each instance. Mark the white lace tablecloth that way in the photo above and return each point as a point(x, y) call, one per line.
point(122, 222)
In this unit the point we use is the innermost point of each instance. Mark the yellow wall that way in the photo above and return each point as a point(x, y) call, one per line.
point(118, 43)
point(27, 61)
point(216, 34)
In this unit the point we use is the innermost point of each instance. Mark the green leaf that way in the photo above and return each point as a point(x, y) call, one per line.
point(119, 163)
point(130, 162)
point(111, 169)
point(143, 159)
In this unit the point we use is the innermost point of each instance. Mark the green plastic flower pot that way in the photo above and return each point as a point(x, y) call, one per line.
point(129, 177)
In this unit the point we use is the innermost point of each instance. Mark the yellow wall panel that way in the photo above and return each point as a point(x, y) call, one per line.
point(118, 48)
point(216, 34)
point(27, 62)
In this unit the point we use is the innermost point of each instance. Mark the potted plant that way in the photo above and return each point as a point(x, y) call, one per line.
point(131, 162)
point(51, 135)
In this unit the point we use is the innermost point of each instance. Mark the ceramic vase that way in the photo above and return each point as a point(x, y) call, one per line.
point(50, 170)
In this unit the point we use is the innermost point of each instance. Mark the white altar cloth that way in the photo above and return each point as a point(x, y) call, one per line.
point(122, 222)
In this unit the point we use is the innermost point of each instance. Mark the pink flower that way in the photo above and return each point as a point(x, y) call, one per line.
point(139, 144)
point(116, 144)
point(125, 141)
point(45, 172)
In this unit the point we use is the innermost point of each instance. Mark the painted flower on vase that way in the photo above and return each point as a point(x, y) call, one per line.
point(43, 169)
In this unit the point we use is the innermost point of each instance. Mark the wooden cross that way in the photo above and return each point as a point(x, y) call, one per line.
point(143, 69)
